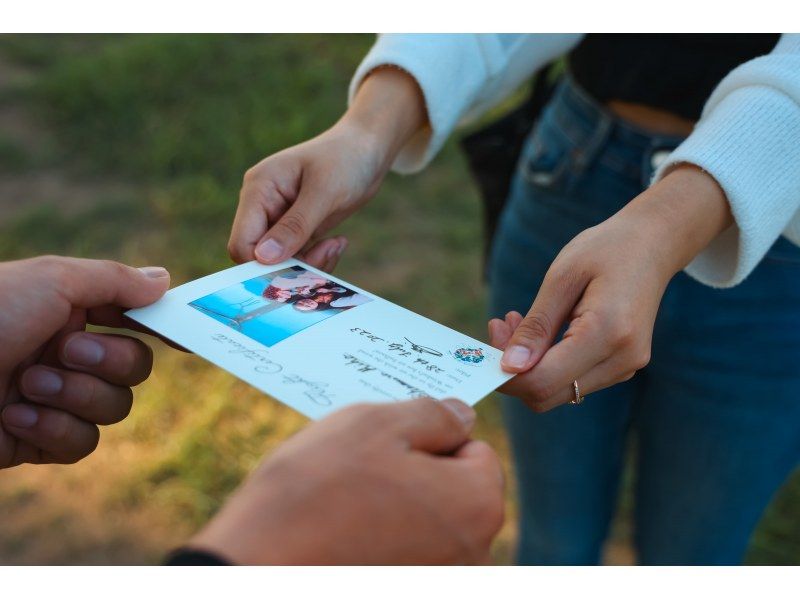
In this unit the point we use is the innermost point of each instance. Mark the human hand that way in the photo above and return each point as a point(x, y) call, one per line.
point(292, 198)
point(57, 381)
point(606, 286)
point(397, 483)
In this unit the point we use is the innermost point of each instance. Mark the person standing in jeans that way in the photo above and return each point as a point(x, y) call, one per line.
point(654, 216)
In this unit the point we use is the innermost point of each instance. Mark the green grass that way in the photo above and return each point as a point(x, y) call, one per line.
point(173, 122)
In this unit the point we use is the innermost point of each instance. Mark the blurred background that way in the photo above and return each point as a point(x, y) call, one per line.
point(133, 148)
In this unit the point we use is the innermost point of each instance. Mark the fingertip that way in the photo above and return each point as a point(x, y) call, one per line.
point(81, 349)
point(20, 416)
point(492, 327)
point(154, 272)
point(157, 280)
point(269, 251)
point(239, 254)
point(40, 381)
point(499, 333)
point(517, 358)
point(513, 319)
point(322, 255)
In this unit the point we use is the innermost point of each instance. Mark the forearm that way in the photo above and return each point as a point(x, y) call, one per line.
point(388, 110)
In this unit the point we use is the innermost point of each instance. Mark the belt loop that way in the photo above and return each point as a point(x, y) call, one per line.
point(583, 156)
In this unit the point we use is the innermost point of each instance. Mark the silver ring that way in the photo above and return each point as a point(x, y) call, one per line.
point(578, 397)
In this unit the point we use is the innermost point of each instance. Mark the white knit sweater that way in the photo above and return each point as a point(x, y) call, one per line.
point(748, 137)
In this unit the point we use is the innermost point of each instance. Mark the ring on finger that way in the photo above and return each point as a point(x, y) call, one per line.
point(578, 396)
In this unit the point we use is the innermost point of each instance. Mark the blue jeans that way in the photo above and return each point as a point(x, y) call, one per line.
point(715, 417)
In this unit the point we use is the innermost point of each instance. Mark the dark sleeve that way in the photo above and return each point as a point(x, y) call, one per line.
point(183, 557)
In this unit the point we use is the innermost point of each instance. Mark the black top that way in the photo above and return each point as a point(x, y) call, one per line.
point(673, 72)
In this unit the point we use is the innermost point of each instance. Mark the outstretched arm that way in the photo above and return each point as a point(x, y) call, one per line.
point(405, 99)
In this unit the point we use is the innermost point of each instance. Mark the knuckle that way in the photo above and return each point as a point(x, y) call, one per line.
point(590, 322)
point(92, 440)
point(536, 325)
point(494, 512)
point(123, 408)
point(623, 333)
point(250, 175)
point(538, 407)
point(141, 363)
point(366, 415)
point(486, 518)
point(429, 406)
point(566, 277)
point(437, 413)
point(233, 249)
point(53, 268)
point(540, 391)
point(294, 223)
point(640, 359)
point(113, 266)
point(59, 428)
point(81, 391)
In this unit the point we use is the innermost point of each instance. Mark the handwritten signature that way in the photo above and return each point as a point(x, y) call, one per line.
point(316, 391)
point(364, 367)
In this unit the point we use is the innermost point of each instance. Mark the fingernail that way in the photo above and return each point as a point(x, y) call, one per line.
point(464, 412)
point(269, 250)
point(43, 382)
point(516, 356)
point(154, 271)
point(333, 251)
point(20, 415)
point(83, 350)
point(342, 247)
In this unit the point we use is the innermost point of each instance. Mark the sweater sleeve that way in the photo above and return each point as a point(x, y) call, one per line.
point(460, 75)
point(748, 139)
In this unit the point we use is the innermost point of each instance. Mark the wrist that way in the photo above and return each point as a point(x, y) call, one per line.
point(256, 526)
point(387, 111)
point(234, 544)
point(680, 215)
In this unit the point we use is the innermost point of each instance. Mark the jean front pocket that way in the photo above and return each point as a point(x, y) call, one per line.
point(546, 161)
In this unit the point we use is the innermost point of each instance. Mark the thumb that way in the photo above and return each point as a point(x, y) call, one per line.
point(538, 329)
point(294, 228)
point(88, 283)
point(434, 426)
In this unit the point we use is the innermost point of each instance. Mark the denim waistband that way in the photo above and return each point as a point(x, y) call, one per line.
point(599, 135)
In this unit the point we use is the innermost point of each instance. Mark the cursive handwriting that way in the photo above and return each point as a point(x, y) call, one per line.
point(264, 365)
point(363, 366)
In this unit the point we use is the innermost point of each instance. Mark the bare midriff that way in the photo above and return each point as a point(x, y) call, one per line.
point(654, 120)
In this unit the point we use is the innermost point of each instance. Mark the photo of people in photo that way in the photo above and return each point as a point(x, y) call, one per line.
point(273, 307)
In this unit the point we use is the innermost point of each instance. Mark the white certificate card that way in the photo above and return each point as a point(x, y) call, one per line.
point(317, 343)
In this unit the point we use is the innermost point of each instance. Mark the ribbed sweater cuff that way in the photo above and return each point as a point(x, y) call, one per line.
point(750, 143)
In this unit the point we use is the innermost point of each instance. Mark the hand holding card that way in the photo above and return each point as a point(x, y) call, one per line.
point(372, 484)
point(58, 382)
point(318, 343)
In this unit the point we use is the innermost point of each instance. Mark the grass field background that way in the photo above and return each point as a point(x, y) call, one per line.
point(133, 148)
